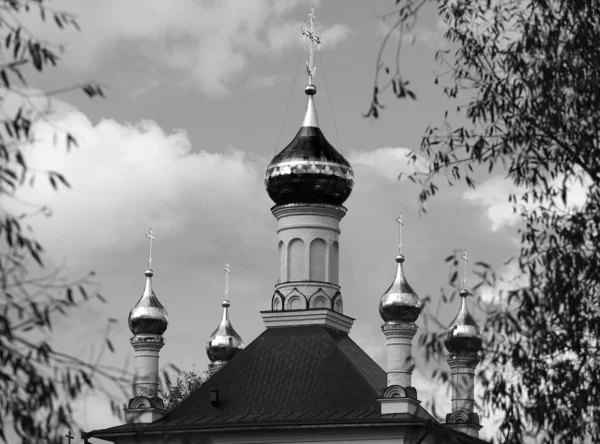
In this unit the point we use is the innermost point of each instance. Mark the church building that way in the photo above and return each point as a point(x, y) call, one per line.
point(304, 379)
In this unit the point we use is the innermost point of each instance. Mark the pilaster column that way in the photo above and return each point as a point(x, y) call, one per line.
point(399, 338)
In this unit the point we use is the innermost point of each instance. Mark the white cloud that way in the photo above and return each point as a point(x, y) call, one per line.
point(208, 41)
point(387, 162)
point(493, 196)
point(431, 37)
point(129, 177)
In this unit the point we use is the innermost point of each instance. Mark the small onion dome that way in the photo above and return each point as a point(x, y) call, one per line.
point(224, 343)
point(463, 334)
point(148, 316)
point(399, 303)
point(512, 437)
point(309, 169)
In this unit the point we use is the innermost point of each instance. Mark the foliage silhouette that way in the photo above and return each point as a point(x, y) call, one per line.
point(37, 382)
point(523, 80)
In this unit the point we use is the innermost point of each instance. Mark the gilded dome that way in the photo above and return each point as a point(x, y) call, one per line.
point(463, 334)
point(224, 343)
point(148, 316)
point(399, 303)
point(309, 169)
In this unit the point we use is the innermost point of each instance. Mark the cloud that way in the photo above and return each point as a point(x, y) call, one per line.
point(387, 162)
point(493, 196)
point(432, 38)
point(209, 42)
point(128, 177)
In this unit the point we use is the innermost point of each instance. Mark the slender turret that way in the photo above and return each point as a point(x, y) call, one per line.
point(308, 181)
point(463, 342)
point(148, 320)
point(224, 344)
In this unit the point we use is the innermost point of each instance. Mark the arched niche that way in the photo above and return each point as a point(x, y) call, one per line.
point(334, 263)
point(338, 304)
point(295, 260)
point(320, 302)
point(295, 302)
point(282, 273)
point(317, 260)
point(277, 303)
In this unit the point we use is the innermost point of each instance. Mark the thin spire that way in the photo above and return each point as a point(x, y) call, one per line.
point(400, 223)
point(465, 259)
point(227, 271)
point(314, 44)
point(150, 236)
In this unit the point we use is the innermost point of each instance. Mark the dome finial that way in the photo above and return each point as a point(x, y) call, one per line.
point(148, 316)
point(227, 271)
point(224, 343)
point(400, 303)
point(151, 237)
point(400, 223)
point(463, 335)
point(314, 44)
point(465, 259)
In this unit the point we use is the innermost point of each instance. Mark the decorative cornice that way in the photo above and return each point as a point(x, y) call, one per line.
point(148, 339)
point(462, 417)
point(301, 318)
point(396, 391)
point(389, 326)
point(337, 211)
point(469, 359)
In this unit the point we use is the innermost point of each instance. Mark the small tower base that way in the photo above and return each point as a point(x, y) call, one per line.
point(143, 410)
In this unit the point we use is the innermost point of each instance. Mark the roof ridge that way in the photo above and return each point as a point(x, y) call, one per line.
point(353, 365)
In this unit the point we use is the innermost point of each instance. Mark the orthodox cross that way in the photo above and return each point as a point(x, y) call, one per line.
point(314, 43)
point(69, 436)
point(227, 273)
point(400, 223)
point(466, 259)
point(151, 237)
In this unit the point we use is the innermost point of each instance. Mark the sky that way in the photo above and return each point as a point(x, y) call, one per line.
point(196, 104)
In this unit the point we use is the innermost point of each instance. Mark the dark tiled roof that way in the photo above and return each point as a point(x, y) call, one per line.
point(288, 377)
point(286, 372)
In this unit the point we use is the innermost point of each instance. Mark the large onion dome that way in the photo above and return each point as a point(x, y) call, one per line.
point(400, 303)
point(309, 169)
point(148, 316)
point(224, 343)
point(463, 334)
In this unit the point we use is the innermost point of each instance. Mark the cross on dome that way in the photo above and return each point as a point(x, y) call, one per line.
point(227, 271)
point(314, 44)
point(465, 259)
point(150, 236)
point(400, 223)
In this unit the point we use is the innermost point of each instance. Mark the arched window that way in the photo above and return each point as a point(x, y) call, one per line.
point(295, 260)
point(334, 263)
point(318, 252)
point(282, 273)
